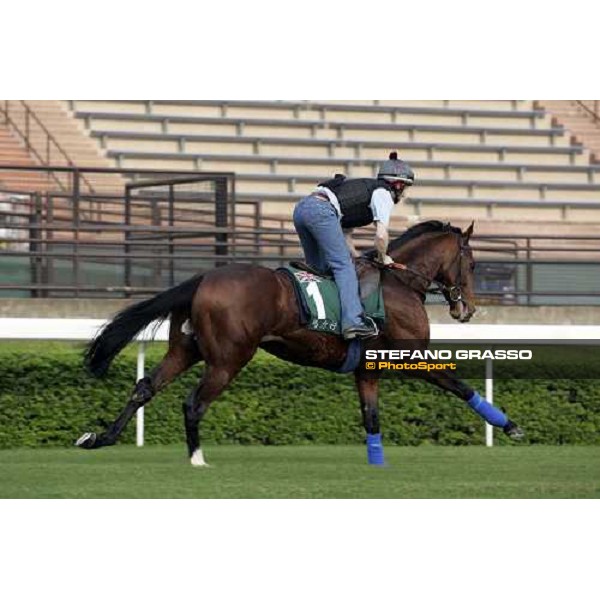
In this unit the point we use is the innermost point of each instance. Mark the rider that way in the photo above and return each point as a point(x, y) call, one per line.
point(325, 219)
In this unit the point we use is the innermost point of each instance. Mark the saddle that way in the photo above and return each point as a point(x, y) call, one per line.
point(318, 298)
point(368, 273)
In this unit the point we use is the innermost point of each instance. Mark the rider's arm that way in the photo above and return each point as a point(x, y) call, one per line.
point(382, 205)
point(382, 239)
point(350, 242)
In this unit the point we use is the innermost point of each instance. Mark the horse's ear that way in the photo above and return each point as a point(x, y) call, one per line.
point(469, 231)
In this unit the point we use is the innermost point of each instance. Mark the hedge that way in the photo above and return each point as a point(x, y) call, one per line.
point(46, 399)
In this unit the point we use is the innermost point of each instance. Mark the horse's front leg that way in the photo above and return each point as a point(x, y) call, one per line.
point(368, 391)
point(487, 411)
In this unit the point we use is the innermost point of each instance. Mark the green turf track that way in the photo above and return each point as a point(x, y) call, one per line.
point(302, 472)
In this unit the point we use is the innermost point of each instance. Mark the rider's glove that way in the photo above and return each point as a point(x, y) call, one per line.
point(386, 260)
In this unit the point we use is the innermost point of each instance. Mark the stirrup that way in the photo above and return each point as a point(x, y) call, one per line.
point(368, 321)
point(375, 328)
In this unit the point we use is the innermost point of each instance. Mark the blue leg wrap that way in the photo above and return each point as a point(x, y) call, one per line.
point(489, 412)
point(375, 449)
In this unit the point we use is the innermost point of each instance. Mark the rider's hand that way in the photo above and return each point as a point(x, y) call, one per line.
point(385, 260)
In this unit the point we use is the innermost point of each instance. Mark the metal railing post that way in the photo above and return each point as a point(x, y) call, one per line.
point(27, 133)
point(257, 224)
point(158, 263)
point(50, 275)
point(591, 109)
point(126, 236)
point(221, 218)
point(171, 237)
point(76, 223)
point(529, 272)
point(35, 242)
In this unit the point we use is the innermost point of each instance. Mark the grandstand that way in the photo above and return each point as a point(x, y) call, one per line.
point(15, 154)
point(581, 118)
point(518, 168)
point(43, 132)
point(503, 163)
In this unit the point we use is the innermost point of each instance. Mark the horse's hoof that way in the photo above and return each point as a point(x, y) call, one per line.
point(513, 431)
point(87, 441)
point(197, 459)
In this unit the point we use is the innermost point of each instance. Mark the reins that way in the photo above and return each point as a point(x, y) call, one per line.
point(454, 292)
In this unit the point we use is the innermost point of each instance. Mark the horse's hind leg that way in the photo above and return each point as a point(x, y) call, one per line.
point(182, 354)
point(490, 413)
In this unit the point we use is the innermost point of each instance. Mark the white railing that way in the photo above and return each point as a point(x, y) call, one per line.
point(86, 329)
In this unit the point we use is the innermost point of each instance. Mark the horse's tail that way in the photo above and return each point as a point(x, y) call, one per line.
point(130, 321)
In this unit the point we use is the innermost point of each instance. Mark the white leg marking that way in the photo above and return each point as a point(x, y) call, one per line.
point(197, 459)
point(84, 438)
point(271, 338)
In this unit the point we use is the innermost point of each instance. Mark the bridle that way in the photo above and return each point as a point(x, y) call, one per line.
point(453, 292)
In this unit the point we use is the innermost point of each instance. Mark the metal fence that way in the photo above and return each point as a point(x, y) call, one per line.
point(139, 232)
point(39, 141)
point(59, 239)
point(591, 107)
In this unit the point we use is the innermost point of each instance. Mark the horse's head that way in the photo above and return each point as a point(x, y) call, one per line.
point(437, 252)
point(456, 275)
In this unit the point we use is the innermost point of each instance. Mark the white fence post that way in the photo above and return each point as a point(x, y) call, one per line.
point(489, 396)
point(139, 416)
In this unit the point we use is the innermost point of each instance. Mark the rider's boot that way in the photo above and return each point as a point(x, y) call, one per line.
point(366, 329)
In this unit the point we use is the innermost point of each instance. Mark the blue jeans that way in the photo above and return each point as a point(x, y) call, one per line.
point(322, 239)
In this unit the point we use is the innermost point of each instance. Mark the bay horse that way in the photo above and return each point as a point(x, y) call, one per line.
point(236, 309)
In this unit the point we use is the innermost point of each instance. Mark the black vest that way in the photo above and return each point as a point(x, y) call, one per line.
point(354, 196)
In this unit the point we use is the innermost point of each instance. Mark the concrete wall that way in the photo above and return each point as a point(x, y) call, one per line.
point(86, 308)
point(530, 315)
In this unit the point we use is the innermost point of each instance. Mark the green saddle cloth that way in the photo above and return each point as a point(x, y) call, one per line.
point(321, 301)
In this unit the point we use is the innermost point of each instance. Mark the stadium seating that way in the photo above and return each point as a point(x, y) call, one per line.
point(70, 145)
point(578, 118)
point(15, 154)
point(499, 161)
point(508, 165)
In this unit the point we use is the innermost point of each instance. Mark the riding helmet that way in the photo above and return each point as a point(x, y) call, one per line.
point(395, 169)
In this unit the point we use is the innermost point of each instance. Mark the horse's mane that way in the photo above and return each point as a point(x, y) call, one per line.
point(416, 231)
